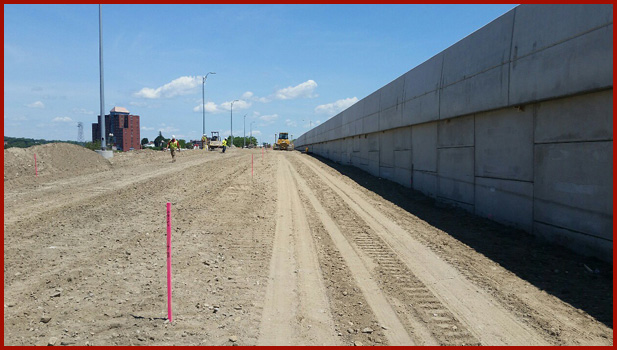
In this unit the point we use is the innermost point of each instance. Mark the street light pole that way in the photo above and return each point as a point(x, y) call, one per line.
point(244, 139)
point(102, 125)
point(232, 122)
point(203, 101)
point(251, 127)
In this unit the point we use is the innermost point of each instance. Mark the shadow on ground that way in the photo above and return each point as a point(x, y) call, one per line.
point(540, 263)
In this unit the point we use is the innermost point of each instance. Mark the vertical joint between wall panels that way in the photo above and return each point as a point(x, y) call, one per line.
point(440, 88)
point(510, 59)
point(534, 116)
point(475, 205)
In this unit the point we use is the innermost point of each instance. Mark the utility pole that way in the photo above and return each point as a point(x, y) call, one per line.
point(232, 122)
point(103, 144)
point(244, 140)
point(203, 100)
point(251, 127)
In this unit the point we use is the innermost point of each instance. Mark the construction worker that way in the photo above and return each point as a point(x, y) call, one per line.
point(224, 145)
point(173, 145)
point(204, 140)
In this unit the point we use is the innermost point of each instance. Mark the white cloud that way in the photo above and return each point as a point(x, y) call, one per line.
point(240, 104)
point(256, 132)
point(37, 104)
point(290, 123)
point(146, 128)
point(138, 104)
point(210, 107)
point(299, 91)
point(269, 118)
point(251, 97)
point(336, 107)
point(62, 119)
point(179, 86)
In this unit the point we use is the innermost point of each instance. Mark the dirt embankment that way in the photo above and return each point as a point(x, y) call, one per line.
point(54, 161)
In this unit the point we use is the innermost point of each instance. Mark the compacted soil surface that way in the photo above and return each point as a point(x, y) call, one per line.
point(272, 248)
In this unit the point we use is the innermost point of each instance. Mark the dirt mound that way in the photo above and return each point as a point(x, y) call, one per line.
point(53, 160)
point(135, 157)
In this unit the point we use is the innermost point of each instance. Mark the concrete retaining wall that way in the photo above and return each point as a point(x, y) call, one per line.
point(513, 123)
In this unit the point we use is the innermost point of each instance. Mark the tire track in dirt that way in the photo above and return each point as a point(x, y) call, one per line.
point(467, 302)
point(360, 265)
point(296, 310)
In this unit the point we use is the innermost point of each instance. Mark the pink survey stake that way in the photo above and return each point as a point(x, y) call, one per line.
point(169, 261)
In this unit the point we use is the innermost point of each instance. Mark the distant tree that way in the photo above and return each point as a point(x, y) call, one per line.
point(144, 141)
point(182, 143)
point(159, 139)
point(96, 145)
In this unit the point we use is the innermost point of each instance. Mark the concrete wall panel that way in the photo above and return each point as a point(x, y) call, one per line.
point(386, 172)
point(583, 244)
point(347, 131)
point(421, 109)
point(371, 103)
point(373, 163)
point(373, 142)
point(456, 132)
point(424, 147)
point(386, 148)
point(481, 92)
point(574, 186)
point(487, 48)
point(402, 138)
point(402, 176)
point(370, 123)
point(402, 159)
point(456, 177)
point(424, 79)
point(504, 144)
point(565, 21)
point(392, 94)
point(508, 202)
point(584, 63)
point(391, 117)
point(425, 182)
point(579, 118)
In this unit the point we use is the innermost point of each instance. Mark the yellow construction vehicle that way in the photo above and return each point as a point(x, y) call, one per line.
point(282, 142)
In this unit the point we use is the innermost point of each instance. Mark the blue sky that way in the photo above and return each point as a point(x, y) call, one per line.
point(290, 66)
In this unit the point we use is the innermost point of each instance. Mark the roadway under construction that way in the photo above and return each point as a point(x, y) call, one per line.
point(288, 249)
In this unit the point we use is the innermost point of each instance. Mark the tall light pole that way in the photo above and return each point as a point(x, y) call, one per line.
point(203, 100)
point(244, 139)
point(232, 122)
point(103, 144)
point(251, 127)
point(310, 123)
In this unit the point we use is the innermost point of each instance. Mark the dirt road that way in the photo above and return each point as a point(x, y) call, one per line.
point(304, 252)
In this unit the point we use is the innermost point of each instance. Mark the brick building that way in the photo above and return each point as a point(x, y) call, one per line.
point(124, 127)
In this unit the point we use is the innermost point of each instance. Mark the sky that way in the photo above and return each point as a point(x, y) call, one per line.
point(291, 67)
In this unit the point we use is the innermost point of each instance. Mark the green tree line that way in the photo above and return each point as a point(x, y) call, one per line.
point(23, 142)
